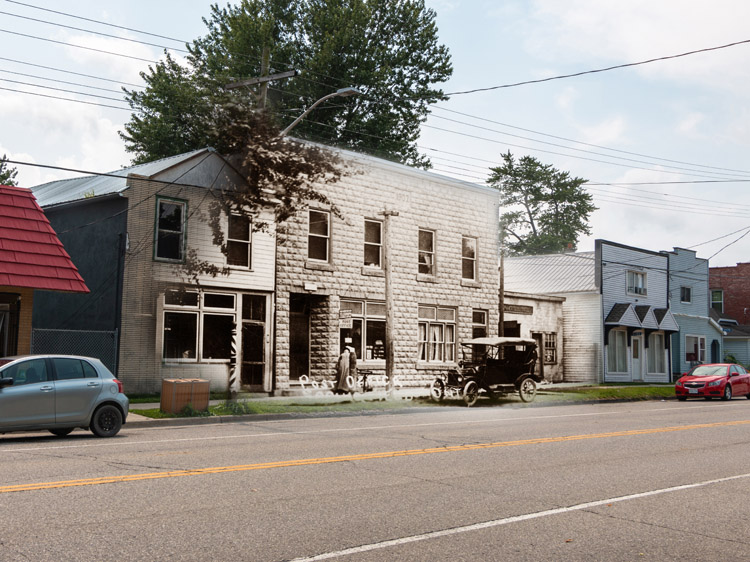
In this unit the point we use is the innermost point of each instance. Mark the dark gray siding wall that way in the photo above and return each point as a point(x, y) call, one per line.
point(93, 233)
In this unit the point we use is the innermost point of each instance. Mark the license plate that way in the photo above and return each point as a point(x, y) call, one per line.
point(692, 391)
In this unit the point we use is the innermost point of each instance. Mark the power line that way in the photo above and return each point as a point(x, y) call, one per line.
point(71, 72)
point(64, 99)
point(708, 49)
point(60, 90)
point(59, 81)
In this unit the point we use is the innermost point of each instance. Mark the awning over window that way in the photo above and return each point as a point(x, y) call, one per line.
point(644, 317)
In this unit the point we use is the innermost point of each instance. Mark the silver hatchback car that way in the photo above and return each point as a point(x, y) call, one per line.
point(60, 393)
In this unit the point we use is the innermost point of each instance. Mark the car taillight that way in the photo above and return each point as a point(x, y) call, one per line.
point(119, 385)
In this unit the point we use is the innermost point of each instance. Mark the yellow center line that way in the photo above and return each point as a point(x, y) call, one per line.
point(349, 458)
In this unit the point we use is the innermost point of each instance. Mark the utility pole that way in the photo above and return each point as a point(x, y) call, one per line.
point(501, 324)
point(387, 267)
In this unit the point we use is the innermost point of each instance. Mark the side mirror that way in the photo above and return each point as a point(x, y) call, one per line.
point(6, 382)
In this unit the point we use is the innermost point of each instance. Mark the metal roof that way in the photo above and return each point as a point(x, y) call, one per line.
point(31, 255)
point(551, 274)
point(65, 191)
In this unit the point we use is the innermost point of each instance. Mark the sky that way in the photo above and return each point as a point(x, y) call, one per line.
point(663, 145)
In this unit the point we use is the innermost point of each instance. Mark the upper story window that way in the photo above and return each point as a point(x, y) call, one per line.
point(170, 230)
point(426, 252)
point(637, 283)
point(469, 258)
point(373, 243)
point(686, 294)
point(717, 300)
point(239, 241)
point(319, 236)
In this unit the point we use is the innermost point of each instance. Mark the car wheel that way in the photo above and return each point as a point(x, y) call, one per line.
point(527, 389)
point(471, 393)
point(727, 392)
point(61, 432)
point(747, 396)
point(106, 421)
point(437, 390)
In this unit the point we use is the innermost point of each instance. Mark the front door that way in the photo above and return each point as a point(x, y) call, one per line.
point(253, 359)
point(636, 344)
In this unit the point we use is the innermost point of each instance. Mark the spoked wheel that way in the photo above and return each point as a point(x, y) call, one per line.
point(437, 390)
point(471, 393)
point(727, 392)
point(527, 389)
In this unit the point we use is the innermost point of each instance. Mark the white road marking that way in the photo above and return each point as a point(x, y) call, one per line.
point(509, 520)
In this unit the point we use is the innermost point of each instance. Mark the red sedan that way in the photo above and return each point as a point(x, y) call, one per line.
point(717, 380)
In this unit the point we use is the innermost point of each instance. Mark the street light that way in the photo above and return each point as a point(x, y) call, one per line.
point(343, 92)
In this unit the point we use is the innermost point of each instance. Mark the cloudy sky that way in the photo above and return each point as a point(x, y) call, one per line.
point(663, 144)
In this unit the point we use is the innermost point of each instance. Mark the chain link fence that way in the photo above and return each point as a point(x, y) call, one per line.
point(90, 343)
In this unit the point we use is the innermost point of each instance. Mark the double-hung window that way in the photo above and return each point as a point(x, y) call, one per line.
point(550, 348)
point(373, 243)
point(469, 258)
point(686, 294)
point(437, 334)
point(695, 349)
point(637, 283)
point(239, 241)
point(717, 300)
point(617, 348)
point(169, 243)
point(426, 252)
point(319, 236)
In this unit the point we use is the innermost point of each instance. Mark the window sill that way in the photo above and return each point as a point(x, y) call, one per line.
point(433, 366)
point(471, 283)
point(373, 271)
point(421, 277)
point(319, 266)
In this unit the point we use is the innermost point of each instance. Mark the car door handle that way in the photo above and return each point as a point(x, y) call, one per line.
point(45, 388)
point(93, 383)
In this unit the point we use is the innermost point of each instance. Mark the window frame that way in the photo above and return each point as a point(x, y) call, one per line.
point(429, 350)
point(633, 287)
point(325, 237)
point(199, 312)
point(378, 245)
point(720, 302)
point(652, 358)
point(365, 313)
point(472, 260)
point(686, 292)
point(248, 243)
point(549, 343)
point(701, 358)
point(430, 264)
point(617, 357)
point(182, 233)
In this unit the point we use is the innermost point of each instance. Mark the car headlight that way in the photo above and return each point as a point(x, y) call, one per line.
point(715, 383)
point(459, 379)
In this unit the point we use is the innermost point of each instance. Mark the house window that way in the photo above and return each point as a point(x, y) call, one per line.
point(550, 348)
point(373, 243)
point(717, 300)
point(636, 283)
point(656, 353)
point(170, 230)
point(363, 328)
point(426, 252)
point(198, 326)
point(468, 258)
point(617, 349)
point(686, 294)
point(478, 330)
point(695, 349)
point(319, 236)
point(437, 334)
point(239, 242)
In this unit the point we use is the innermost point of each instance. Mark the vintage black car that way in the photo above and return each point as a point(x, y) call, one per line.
point(494, 366)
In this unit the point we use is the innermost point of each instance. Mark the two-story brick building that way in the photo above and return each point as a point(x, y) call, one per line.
point(330, 289)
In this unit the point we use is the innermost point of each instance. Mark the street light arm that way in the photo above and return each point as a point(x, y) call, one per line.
point(342, 92)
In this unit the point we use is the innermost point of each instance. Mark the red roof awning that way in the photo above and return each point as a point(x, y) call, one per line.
point(31, 254)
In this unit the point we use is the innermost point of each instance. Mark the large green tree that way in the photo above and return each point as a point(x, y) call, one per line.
point(7, 174)
point(388, 49)
point(546, 210)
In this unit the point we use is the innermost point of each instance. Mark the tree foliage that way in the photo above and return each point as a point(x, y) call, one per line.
point(280, 173)
point(388, 49)
point(7, 174)
point(548, 210)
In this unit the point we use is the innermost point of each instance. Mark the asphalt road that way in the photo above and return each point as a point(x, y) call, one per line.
point(629, 481)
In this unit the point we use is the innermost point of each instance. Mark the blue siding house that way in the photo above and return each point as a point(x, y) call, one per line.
point(699, 339)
